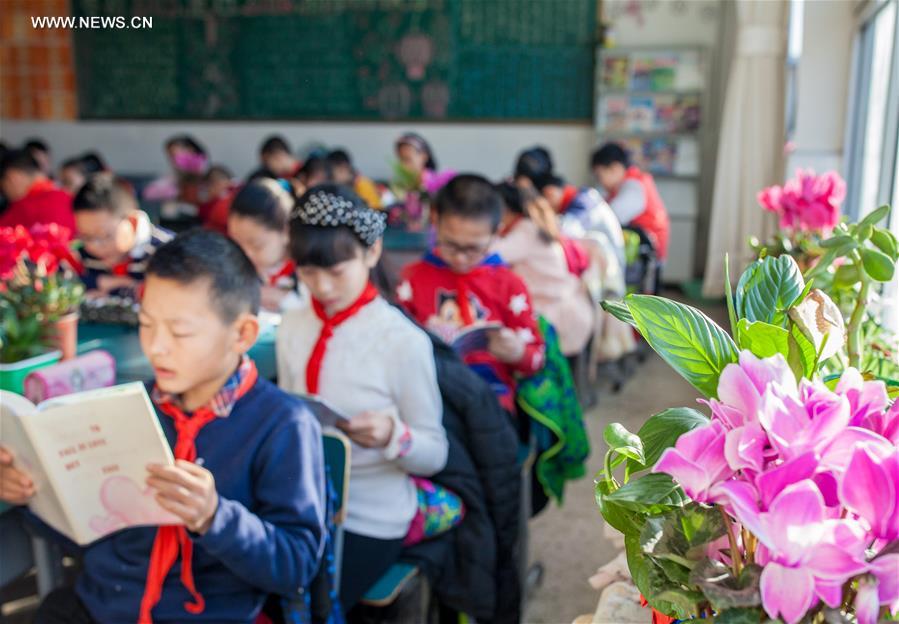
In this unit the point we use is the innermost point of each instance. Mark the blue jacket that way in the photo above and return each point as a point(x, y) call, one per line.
point(267, 534)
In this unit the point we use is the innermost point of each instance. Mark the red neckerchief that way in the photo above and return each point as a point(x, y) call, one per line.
point(463, 286)
point(504, 231)
point(313, 366)
point(286, 270)
point(568, 196)
point(170, 540)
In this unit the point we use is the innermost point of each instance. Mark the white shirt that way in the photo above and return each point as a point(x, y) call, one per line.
point(376, 360)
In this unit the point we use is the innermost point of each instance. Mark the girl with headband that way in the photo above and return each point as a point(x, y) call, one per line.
point(364, 357)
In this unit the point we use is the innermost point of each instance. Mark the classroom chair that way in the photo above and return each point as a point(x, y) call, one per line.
point(337, 453)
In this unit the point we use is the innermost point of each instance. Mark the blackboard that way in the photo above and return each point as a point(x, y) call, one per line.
point(337, 59)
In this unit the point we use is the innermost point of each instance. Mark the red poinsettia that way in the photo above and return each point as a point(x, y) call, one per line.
point(44, 245)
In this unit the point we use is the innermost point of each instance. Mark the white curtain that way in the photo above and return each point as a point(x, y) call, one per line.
point(751, 139)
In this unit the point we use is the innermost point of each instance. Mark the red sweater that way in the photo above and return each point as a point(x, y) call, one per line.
point(429, 292)
point(44, 203)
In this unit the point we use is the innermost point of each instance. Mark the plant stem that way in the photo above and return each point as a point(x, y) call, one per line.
point(609, 478)
point(735, 561)
point(855, 324)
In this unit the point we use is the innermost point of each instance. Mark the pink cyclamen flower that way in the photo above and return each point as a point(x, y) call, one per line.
point(886, 570)
point(697, 461)
point(868, 402)
point(742, 385)
point(869, 487)
point(807, 201)
point(807, 556)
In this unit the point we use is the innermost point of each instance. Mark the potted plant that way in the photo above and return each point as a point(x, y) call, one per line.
point(39, 297)
point(778, 502)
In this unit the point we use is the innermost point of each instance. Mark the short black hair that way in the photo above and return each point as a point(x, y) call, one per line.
point(325, 246)
point(36, 144)
point(186, 140)
point(20, 159)
point(418, 142)
point(470, 196)
point(75, 163)
point(339, 157)
point(511, 196)
point(274, 143)
point(533, 163)
point(265, 201)
point(93, 162)
point(609, 154)
point(316, 165)
point(201, 254)
point(548, 179)
point(102, 191)
point(220, 170)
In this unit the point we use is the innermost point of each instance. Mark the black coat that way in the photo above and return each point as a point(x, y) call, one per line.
point(474, 567)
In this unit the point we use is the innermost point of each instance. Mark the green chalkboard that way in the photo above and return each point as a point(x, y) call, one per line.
point(337, 59)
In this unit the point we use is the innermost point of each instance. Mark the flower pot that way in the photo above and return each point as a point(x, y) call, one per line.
point(65, 335)
point(13, 375)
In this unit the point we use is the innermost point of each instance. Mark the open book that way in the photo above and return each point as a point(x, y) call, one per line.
point(327, 414)
point(87, 453)
point(474, 338)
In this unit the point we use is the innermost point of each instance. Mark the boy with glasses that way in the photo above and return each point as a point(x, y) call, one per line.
point(459, 284)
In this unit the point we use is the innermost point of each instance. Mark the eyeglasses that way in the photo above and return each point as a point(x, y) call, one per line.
point(468, 251)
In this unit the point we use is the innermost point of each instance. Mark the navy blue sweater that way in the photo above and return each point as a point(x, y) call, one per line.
point(267, 534)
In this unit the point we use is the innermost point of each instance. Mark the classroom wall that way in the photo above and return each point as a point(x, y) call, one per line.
point(489, 148)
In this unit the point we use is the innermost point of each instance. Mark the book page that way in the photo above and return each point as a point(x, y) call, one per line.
point(474, 337)
point(45, 504)
point(327, 414)
point(96, 446)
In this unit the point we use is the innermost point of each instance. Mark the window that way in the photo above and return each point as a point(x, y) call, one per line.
point(871, 158)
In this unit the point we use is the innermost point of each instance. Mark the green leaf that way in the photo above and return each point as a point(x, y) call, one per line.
point(874, 217)
point(838, 241)
point(648, 577)
point(768, 288)
point(846, 275)
point(878, 265)
point(650, 494)
point(625, 520)
point(681, 535)
point(674, 572)
point(885, 240)
point(619, 310)
point(685, 601)
point(623, 441)
point(739, 616)
point(717, 582)
point(662, 430)
point(687, 339)
point(763, 339)
point(729, 298)
point(802, 356)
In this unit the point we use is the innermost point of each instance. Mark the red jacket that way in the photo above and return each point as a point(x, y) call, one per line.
point(428, 290)
point(44, 203)
point(654, 219)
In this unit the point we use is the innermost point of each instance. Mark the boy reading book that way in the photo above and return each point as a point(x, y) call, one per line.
point(248, 479)
point(118, 237)
point(459, 284)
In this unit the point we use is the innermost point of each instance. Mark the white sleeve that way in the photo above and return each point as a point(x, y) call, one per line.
point(630, 202)
point(419, 443)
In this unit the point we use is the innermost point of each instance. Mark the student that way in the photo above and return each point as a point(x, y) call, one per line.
point(257, 221)
point(218, 192)
point(417, 158)
point(40, 151)
point(583, 214)
point(72, 175)
point(632, 194)
point(33, 198)
point(118, 237)
point(93, 162)
point(460, 283)
point(532, 164)
point(530, 242)
point(343, 172)
point(188, 160)
point(253, 508)
point(276, 158)
point(316, 170)
point(374, 365)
